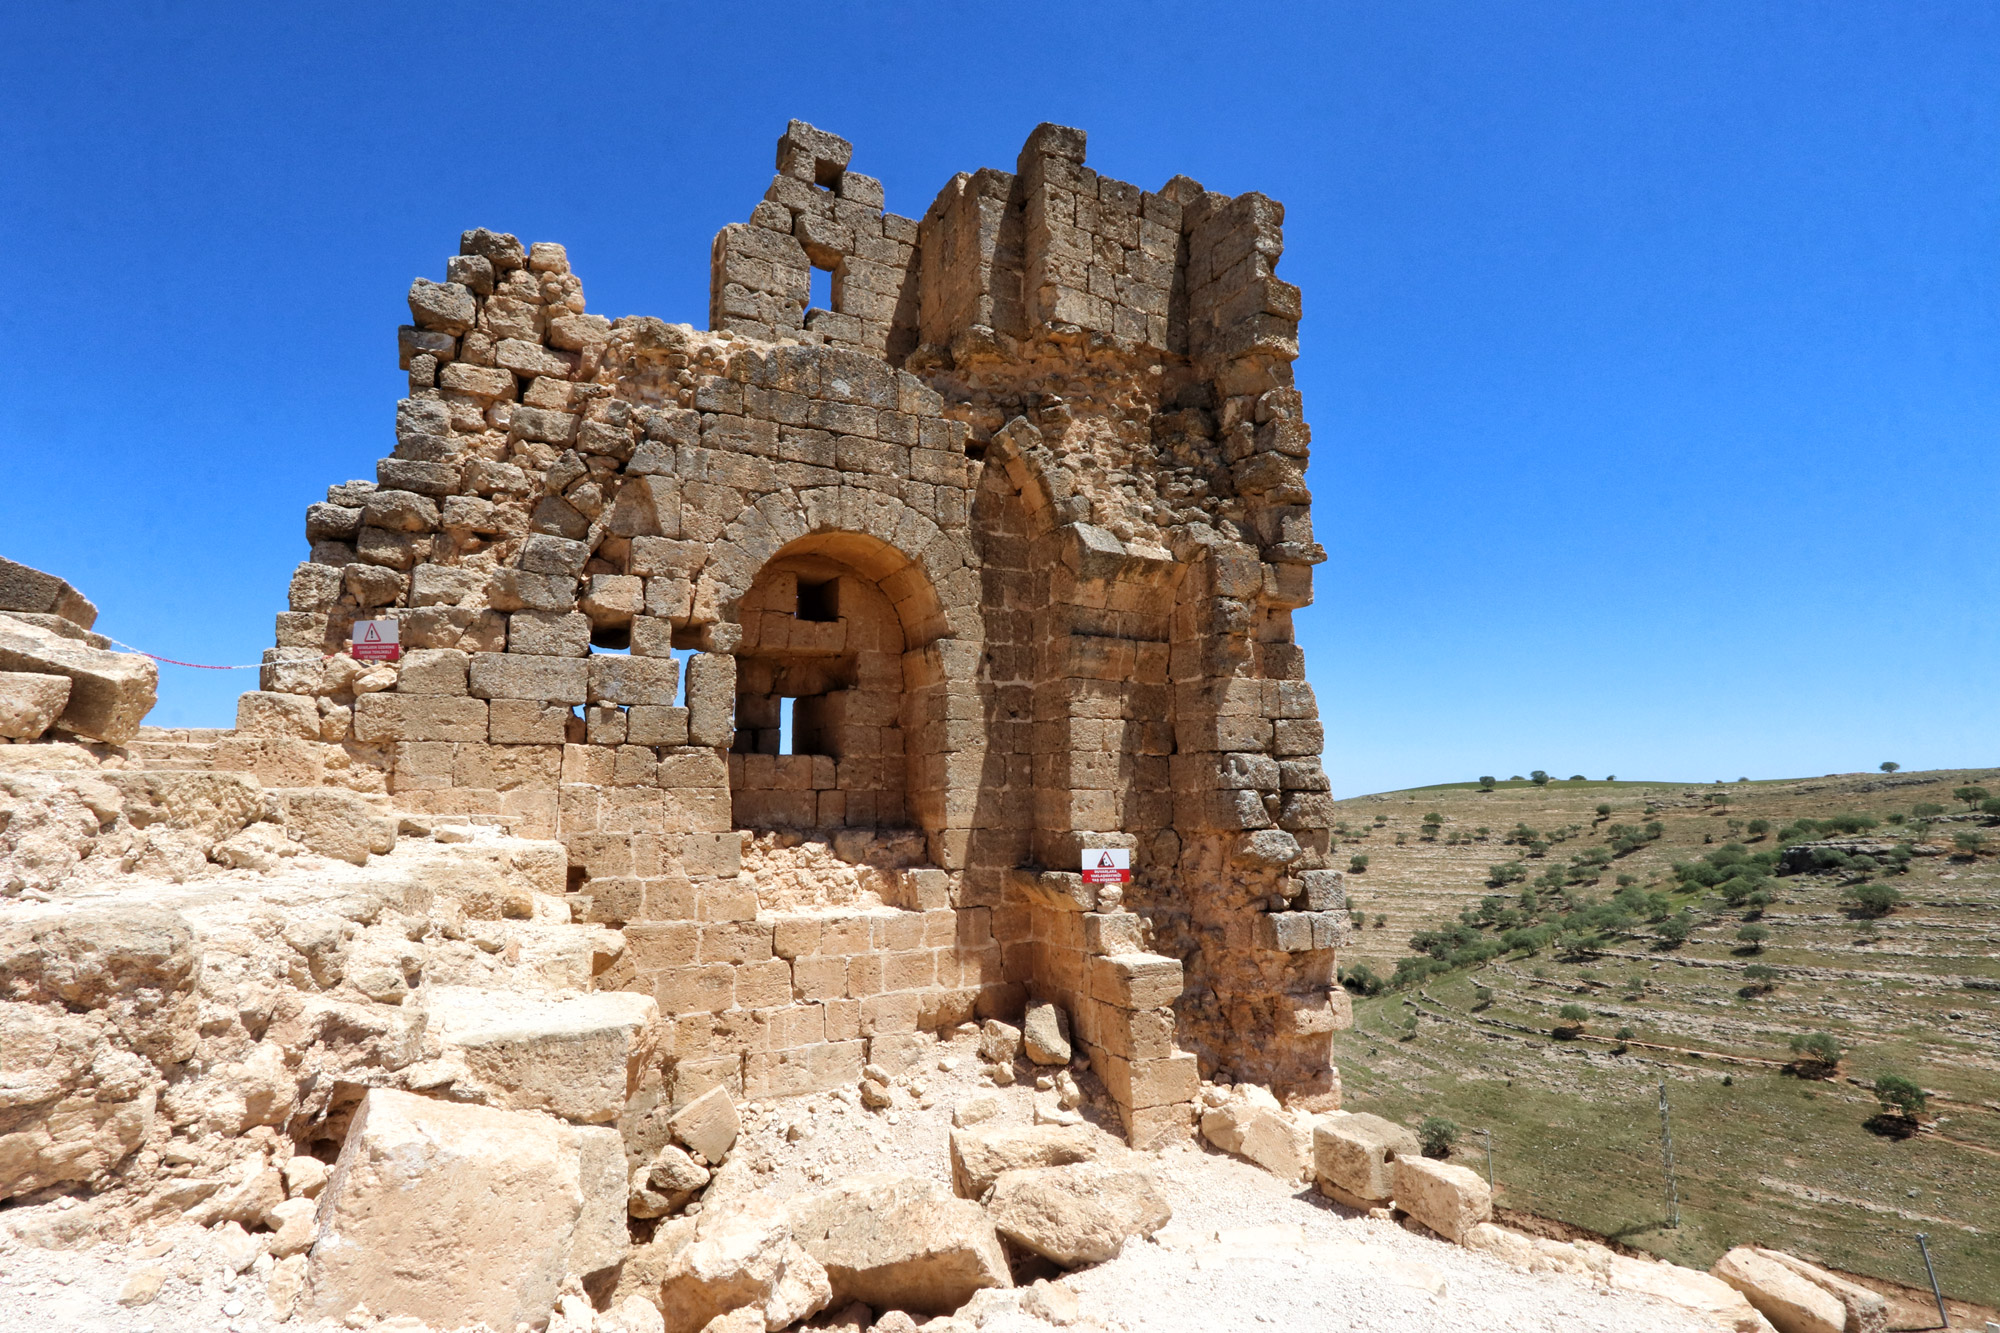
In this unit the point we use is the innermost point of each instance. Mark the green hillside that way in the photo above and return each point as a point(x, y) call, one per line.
point(1487, 913)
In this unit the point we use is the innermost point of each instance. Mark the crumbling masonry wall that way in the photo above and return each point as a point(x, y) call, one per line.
point(1015, 531)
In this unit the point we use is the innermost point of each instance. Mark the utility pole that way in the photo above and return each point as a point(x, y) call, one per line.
point(1923, 1243)
point(1667, 1158)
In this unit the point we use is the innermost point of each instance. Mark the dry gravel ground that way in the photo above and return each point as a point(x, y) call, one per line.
point(1244, 1250)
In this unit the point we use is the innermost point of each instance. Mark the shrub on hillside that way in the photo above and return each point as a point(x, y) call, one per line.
point(1972, 796)
point(1754, 936)
point(1486, 784)
point(1438, 1135)
point(1541, 779)
point(1674, 931)
point(1901, 1096)
point(1968, 841)
point(1816, 1055)
point(1361, 979)
point(1875, 899)
point(1357, 864)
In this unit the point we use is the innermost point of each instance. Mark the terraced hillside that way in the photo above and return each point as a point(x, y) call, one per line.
point(1769, 1145)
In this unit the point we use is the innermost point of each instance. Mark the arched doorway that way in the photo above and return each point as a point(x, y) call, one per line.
point(830, 678)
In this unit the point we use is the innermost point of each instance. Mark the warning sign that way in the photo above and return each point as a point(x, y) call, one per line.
point(375, 641)
point(1107, 865)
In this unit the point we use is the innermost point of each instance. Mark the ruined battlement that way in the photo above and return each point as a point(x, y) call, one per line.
point(1015, 531)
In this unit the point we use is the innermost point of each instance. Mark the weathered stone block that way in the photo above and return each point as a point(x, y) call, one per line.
point(110, 693)
point(1450, 1200)
point(484, 1211)
point(416, 717)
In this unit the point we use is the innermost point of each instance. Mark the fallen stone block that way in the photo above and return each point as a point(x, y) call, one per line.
point(900, 1242)
point(708, 1124)
point(1078, 1214)
point(1450, 1200)
point(999, 1042)
point(1354, 1155)
point(25, 588)
point(1792, 1302)
point(980, 1155)
point(454, 1214)
point(336, 823)
point(665, 1184)
point(1253, 1125)
point(578, 1057)
point(1867, 1311)
point(1685, 1287)
point(110, 693)
point(743, 1255)
point(1045, 1034)
point(30, 703)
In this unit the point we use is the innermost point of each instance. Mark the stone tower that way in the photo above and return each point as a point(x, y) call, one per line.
point(1014, 531)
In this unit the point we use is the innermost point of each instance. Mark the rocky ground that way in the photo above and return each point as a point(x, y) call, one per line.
point(1244, 1249)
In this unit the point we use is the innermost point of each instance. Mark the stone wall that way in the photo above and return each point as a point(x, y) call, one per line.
point(1015, 530)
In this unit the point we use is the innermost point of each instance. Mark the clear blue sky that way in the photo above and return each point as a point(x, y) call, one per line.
point(1652, 350)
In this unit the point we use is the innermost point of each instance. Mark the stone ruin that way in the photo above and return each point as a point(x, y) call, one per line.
point(505, 985)
point(1015, 530)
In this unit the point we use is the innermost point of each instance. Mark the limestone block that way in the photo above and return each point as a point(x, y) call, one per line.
point(651, 681)
point(30, 703)
point(24, 588)
point(561, 680)
point(277, 715)
point(646, 724)
point(336, 823)
point(1078, 1214)
point(518, 590)
point(1135, 980)
point(1045, 1034)
point(980, 1155)
point(451, 1213)
point(1792, 1302)
point(445, 307)
point(1450, 1200)
point(110, 693)
point(1325, 890)
point(711, 699)
point(664, 1184)
point(439, 671)
point(1686, 1287)
point(708, 1124)
point(419, 717)
point(549, 633)
point(526, 722)
point(1355, 1152)
point(1867, 1311)
point(743, 1256)
point(900, 1242)
point(546, 554)
point(577, 1057)
point(1253, 1125)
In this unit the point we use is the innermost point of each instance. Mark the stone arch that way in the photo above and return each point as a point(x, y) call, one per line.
point(936, 571)
point(888, 748)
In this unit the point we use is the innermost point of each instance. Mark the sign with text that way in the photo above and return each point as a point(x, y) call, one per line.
point(376, 641)
point(1107, 865)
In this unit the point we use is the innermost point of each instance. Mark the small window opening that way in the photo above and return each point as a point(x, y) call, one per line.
point(827, 175)
point(819, 601)
point(820, 296)
point(681, 658)
point(786, 735)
